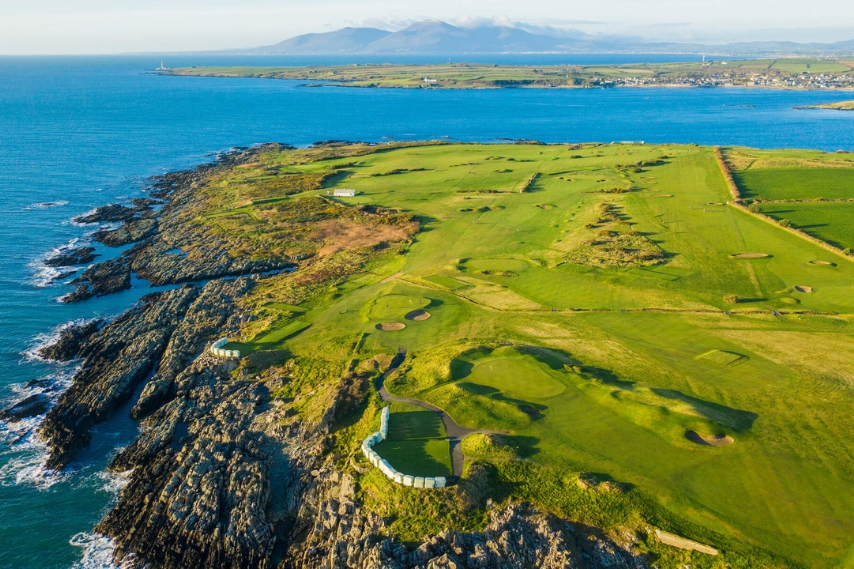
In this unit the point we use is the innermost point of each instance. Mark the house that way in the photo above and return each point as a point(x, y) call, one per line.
point(343, 193)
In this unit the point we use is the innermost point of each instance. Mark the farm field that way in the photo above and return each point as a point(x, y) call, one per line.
point(831, 222)
point(641, 352)
point(797, 183)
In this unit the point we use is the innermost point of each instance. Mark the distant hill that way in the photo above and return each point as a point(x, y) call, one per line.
point(344, 41)
point(434, 37)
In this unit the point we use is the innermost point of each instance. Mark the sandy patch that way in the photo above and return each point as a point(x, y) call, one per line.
point(711, 440)
point(749, 255)
point(683, 543)
point(340, 234)
point(802, 288)
point(391, 326)
point(822, 263)
point(418, 315)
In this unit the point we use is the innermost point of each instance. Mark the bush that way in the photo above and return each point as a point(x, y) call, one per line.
point(785, 223)
point(847, 251)
point(731, 299)
point(754, 208)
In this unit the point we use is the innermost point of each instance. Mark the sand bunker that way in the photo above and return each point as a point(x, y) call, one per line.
point(712, 440)
point(749, 255)
point(417, 315)
point(391, 326)
point(822, 263)
point(802, 288)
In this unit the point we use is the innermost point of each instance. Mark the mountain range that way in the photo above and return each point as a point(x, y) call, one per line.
point(434, 37)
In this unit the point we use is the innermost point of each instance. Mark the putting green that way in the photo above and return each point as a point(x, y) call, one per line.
point(395, 306)
point(517, 375)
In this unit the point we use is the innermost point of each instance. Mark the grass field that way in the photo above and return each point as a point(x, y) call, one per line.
point(591, 369)
point(831, 222)
point(797, 183)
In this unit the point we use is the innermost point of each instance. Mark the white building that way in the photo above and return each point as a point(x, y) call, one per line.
point(343, 193)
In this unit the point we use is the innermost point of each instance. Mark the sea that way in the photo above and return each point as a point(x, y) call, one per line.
point(80, 132)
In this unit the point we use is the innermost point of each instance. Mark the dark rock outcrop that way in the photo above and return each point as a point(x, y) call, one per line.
point(116, 359)
point(130, 232)
point(337, 534)
point(69, 257)
point(211, 316)
point(31, 406)
point(100, 279)
point(203, 473)
point(108, 214)
point(70, 341)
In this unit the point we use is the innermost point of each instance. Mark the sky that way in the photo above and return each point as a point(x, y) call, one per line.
point(122, 26)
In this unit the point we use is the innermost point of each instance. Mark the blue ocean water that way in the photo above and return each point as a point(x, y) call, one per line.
point(79, 132)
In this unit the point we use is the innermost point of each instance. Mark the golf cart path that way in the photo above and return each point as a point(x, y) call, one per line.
point(455, 432)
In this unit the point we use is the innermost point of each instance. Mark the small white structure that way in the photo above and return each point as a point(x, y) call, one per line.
point(343, 193)
point(387, 469)
point(429, 80)
point(216, 349)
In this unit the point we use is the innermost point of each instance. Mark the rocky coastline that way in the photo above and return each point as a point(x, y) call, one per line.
point(222, 474)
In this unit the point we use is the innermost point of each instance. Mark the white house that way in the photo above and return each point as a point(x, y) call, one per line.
point(343, 193)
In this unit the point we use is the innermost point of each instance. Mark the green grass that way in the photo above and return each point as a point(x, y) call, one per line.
point(604, 368)
point(395, 306)
point(797, 183)
point(416, 442)
point(830, 221)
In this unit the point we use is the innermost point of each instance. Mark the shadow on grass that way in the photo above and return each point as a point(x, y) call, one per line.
point(533, 410)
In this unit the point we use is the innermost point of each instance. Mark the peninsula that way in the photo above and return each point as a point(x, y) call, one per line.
point(426, 354)
point(763, 73)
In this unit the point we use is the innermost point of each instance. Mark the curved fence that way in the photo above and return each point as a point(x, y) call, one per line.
point(216, 349)
point(388, 469)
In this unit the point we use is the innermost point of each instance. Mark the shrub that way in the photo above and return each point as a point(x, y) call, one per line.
point(731, 299)
point(754, 208)
point(785, 223)
point(847, 251)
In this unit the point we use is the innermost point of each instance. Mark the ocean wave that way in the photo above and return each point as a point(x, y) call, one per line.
point(98, 552)
point(29, 470)
point(31, 354)
point(44, 275)
point(45, 205)
point(23, 453)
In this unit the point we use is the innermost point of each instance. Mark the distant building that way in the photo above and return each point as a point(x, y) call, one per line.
point(343, 193)
point(429, 80)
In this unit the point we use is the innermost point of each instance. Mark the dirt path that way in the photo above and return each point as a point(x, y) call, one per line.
point(455, 432)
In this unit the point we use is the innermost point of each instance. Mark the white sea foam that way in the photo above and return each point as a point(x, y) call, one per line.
point(45, 275)
point(45, 205)
point(113, 482)
point(98, 552)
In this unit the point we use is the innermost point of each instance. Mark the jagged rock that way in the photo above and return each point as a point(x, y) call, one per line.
point(337, 535)
point(130, 232)
point(205, 320)
point(203, 469)
point(100, 279)
point(67, 258)
point(108, 213)
point(70, 341)
point(116, 359)
point(32, 406)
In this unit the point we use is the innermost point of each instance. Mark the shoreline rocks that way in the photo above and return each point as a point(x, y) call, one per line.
point(70, 257)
